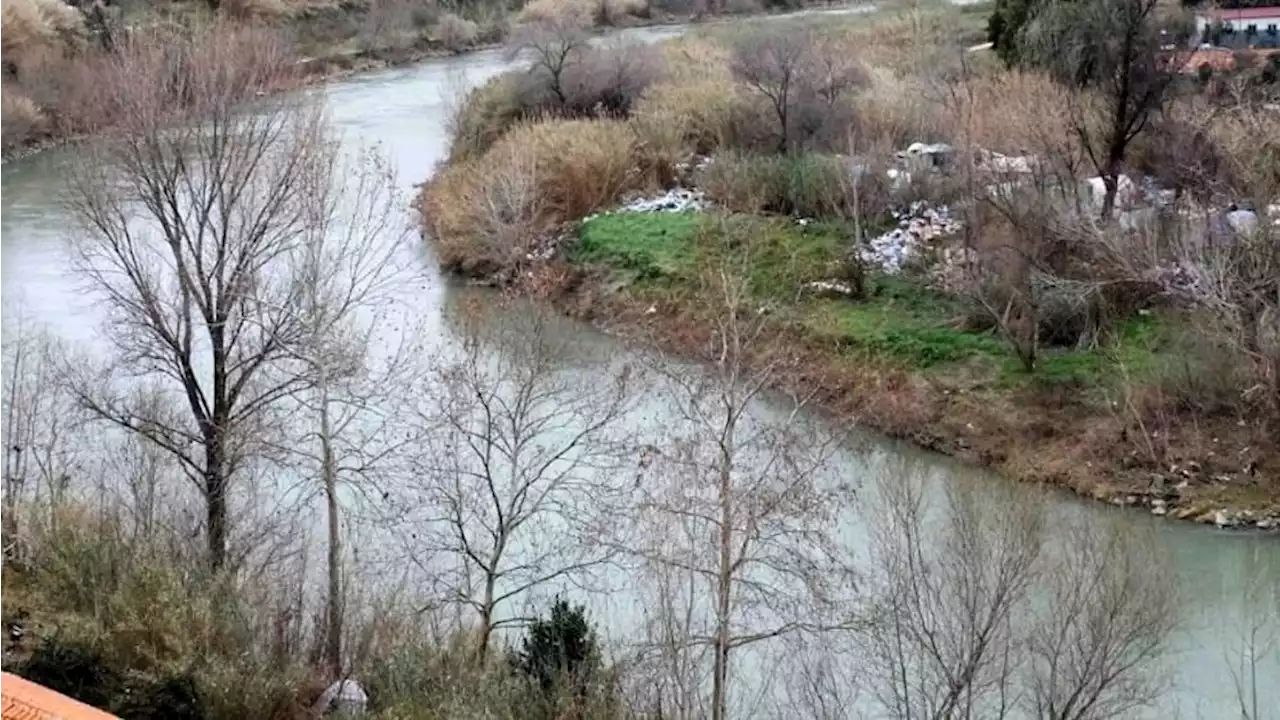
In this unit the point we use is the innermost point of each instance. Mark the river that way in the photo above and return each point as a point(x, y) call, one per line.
point(403, 110)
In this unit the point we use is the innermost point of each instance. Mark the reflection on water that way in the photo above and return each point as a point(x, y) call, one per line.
point(1225, 579)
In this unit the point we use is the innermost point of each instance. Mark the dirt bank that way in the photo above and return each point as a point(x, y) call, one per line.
point(1223, 474)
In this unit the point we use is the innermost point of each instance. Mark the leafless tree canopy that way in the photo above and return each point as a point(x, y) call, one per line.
point(519, 473)
point(196, 215)
point(805, 81)
point(976, 615)
point(737, 509)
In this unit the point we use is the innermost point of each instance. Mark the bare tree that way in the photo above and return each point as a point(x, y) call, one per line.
point(1094, 646)
point(39, 427)
point(745, 486)
point(553, 45)
point(976, 615)
point(193, 211)
point(804, 78)
point(351, 371)
point(942, 641)
point(519, 475)
point(1126, 53)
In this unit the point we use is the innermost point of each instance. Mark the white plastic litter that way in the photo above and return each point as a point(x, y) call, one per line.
point(346, 698)
point(918, 227)
point(674, 200)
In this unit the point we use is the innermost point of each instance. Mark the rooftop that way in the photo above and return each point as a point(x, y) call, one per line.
point(22, 699)
point(1257, 13)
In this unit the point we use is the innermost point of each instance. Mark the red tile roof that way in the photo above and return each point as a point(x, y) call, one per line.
point(22, 699)
point(1258, 13)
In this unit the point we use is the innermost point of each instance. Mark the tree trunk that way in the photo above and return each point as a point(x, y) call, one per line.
point(215, 497)
point(333, 620)
point(720, 674)
point(486, 618)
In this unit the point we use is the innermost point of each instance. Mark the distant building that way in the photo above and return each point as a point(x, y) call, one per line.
point(1245, 26)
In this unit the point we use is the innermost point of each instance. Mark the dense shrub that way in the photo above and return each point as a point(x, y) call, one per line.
point(693, 104)
point(456, 33)
point(20, 117)
point(570, 80)
point(73, 668)
point(799, 84)
point(806, 185)
point(488, 212)
point(560, 654)
point(34, 25)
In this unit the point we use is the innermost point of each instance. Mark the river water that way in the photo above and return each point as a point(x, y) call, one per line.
point(403, 111)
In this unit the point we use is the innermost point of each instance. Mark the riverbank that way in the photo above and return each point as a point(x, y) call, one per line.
point(1129, 401)
point(330, 41)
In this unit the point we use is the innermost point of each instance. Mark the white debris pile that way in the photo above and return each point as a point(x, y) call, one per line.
point(918, 227)
point(830, 288)
point(675, 200)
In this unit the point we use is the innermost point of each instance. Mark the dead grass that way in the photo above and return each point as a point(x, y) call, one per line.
point(20, 118)
point(33, 24)
point(487, 213)
point(456, 33)
point(693, 105)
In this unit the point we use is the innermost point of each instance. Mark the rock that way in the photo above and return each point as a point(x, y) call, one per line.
point(1159, 511)
point(345, 697)
point(1222, 519)
point(1269, 523)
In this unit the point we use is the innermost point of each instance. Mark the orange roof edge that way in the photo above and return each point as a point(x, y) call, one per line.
point(25, 700)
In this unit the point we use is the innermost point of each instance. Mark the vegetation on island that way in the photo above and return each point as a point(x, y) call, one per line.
point(269, 478)
point(1049, 337)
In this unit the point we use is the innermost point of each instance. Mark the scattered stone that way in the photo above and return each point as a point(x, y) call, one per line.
point(1268, 523)
point(1223, 519)
point(1159, 510)
point(1242, 221)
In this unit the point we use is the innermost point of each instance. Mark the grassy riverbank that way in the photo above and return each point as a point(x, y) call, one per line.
point(1125, 391)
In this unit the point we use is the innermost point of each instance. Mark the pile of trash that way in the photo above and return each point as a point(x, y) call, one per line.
point(675, 200)
point(918, 226)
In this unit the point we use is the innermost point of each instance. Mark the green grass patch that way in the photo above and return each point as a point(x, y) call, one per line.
point(903, 321)
point(645, 246)
point(1138, 348)
point(900, 319)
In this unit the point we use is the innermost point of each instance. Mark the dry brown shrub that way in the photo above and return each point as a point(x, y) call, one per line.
point(255, 9)
point(456, 33)
point(692, 107)
point(485, 214)
point(581, 13)
point(33, 26)
point(1015, 112)
point(19, 116)
point(896, 111)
